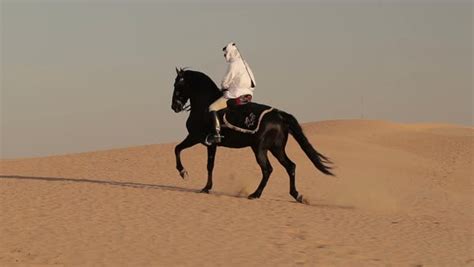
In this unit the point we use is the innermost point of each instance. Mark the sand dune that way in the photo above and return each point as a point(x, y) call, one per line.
point(403, 196)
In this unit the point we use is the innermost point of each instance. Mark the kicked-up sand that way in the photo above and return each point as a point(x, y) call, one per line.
point(403, 196)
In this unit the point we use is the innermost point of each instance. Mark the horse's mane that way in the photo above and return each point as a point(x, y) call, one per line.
point(201, 80)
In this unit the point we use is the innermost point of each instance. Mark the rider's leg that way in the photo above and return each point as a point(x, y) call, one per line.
point(219, 104)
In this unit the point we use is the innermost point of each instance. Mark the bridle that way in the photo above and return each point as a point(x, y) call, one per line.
point(183, 105)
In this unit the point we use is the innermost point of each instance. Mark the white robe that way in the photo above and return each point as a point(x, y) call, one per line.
point(238, 79)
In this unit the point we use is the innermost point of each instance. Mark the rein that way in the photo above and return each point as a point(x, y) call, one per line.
point(187, 107)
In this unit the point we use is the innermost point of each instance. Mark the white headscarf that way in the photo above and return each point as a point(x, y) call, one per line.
point(231, 52)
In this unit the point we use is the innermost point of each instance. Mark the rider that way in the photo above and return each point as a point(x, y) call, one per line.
point(238, 84)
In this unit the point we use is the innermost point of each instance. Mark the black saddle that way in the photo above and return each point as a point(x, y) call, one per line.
point(244, 118)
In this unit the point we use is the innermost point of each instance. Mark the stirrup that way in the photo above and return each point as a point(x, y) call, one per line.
point(212, 139)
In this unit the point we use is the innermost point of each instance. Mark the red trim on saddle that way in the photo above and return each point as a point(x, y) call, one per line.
point(242, 100)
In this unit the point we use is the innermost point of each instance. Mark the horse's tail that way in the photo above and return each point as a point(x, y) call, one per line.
point(319, 160)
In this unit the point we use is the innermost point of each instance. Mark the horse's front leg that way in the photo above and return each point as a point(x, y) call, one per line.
point(211, 154)
point(187, 142)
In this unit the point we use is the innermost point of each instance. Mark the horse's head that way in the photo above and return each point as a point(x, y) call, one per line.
point(181, 92)
point(195, 87)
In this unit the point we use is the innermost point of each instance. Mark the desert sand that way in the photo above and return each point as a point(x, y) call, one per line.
point(403, 196)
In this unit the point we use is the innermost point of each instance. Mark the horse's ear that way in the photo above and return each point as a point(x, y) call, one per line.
point(177, 71)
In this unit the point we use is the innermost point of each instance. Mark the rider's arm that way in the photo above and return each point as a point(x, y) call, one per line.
point(228, 77)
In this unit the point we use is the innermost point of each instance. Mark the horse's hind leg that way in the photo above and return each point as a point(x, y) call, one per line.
point(262, 160)
point(290, 166)
point(211, 154)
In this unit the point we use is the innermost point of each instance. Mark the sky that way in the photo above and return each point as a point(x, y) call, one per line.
point(82, 76)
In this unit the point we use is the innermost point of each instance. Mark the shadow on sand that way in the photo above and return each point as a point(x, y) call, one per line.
point(102, 182)
point(150, 186)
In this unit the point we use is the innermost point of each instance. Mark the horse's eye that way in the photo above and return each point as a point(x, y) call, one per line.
point(177, 93)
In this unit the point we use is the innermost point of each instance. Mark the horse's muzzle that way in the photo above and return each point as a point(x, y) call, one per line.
point(177, 106)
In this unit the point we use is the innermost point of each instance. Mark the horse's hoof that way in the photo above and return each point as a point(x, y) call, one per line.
point(184, 174)
point(300, 198)
point(206, 191)
point(253, 196)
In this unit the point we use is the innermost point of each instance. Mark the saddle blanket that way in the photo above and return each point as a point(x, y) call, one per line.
point(245, 118)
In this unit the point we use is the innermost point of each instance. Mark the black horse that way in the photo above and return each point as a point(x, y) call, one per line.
point(272, 134)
